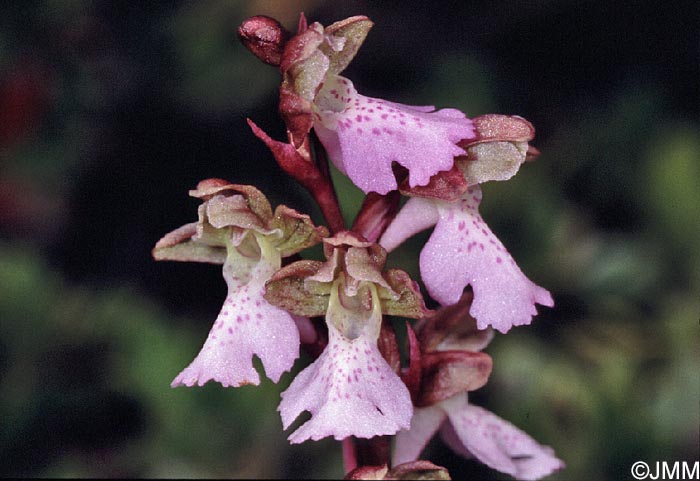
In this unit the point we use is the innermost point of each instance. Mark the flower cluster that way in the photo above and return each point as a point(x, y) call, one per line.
point(356, 387)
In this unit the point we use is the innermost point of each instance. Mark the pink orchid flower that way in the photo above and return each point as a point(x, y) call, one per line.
point(238, 228)
point(462, 250)
point(350, 390)
point(364, 136)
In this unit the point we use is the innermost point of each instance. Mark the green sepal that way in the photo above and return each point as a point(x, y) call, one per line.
point(353, 31)
point(404, 299)
point(288, 289)
point(179, 246)
point(297, 231)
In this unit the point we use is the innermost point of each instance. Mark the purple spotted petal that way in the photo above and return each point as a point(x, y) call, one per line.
point(424, 424)
point(247, 325)
point(415, 216)
point(498, 444)
point(363, 136)
point(349, 390)
point(462, 250)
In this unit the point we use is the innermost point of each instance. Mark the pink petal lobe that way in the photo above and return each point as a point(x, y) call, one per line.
point(462, 250)
point(415, 216)
point(498, 444)
point(247, 325)
point(363, 136)
point(349, 390)
point(424, 424)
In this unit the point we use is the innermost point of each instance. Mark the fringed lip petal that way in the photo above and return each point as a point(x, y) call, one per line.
point(364, 135)
point(349, 390)
point(462, 250)
point(247, 325)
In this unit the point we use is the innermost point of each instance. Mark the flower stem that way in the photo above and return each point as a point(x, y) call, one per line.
point(373, 452)
point(324, 191)
point(308, 168)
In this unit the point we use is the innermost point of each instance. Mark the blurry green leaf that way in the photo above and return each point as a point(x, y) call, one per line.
point(671, 179)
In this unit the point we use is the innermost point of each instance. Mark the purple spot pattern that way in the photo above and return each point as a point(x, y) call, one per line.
point(349, 390)
point(247, 325)
point(364, 135)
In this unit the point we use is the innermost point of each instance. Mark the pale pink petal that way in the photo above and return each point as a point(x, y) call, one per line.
point(462, 250)
point(363, 136)
point(415, 216)
point(247, 325)
point(349, 390)
point(409, 443)
point(498, 444)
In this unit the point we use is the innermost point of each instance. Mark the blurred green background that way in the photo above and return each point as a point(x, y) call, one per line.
point(111, 111)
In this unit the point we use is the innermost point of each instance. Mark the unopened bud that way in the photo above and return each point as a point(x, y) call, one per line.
point(265, 37)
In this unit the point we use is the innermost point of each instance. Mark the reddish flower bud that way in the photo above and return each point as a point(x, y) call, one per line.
point(414, 470)
point(265, 37)
point(411, 376)
point(368, 472)
point(418, 470)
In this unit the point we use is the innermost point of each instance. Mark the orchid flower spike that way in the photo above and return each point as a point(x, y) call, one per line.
point(350, 390)
point(237, 228)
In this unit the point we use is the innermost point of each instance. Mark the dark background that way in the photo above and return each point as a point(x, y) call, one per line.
point(111, 111)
